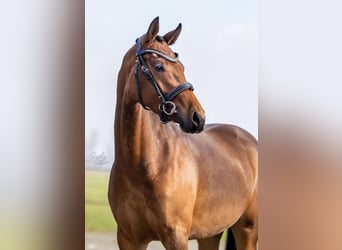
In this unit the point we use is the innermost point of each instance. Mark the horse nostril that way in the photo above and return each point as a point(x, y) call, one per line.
point(195, 119)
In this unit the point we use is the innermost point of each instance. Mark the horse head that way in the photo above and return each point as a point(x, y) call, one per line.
point(161, 85)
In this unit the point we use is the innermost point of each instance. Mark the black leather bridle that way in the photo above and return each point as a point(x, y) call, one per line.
point(166, 107)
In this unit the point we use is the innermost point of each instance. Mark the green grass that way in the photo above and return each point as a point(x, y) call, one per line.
point(98, 216)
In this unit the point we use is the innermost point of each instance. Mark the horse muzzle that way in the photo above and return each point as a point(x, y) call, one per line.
point(193, 125)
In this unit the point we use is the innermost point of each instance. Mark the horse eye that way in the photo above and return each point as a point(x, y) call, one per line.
point(159, 67)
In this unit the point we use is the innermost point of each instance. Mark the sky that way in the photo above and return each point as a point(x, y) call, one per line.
point(218, 46)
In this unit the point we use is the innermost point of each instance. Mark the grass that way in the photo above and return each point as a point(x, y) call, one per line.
point(98, 216)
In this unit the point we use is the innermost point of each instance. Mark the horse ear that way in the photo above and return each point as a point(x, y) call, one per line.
point(171, 37)
point(153, 30)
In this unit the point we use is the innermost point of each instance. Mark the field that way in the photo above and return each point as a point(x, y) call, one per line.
point(98, 216)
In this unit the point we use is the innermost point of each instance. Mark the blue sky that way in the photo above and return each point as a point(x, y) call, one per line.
point(218, 46)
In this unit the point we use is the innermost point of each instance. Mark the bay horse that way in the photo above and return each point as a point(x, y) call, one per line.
point(174, 179)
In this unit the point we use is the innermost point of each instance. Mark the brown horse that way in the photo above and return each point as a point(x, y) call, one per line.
point(180, 180)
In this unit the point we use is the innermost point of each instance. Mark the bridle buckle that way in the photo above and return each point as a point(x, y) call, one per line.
point(165, 108)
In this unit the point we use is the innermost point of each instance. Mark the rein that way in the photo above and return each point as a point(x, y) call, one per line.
point(166, 106)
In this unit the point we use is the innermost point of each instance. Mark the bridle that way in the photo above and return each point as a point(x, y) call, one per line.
point(166, 106)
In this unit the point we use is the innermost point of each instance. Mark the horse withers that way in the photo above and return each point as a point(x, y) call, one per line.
point(173, 178)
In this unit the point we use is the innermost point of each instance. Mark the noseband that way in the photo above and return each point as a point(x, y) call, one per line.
point(166, 106)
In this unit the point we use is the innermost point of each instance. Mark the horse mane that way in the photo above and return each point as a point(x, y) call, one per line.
point(127, 62)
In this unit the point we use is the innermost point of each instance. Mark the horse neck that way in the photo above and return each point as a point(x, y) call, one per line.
point(138, 133)
point(142, 137)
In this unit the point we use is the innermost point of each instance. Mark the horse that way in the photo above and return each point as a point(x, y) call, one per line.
point(174, 178)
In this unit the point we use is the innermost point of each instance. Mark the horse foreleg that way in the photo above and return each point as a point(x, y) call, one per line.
point(211, 243)
point(127, 244)
point(175, 239)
